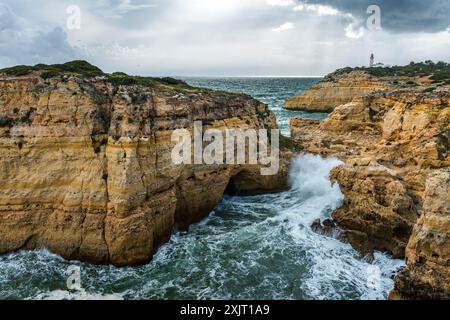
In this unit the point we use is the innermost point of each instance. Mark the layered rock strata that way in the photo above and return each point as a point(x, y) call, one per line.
point(395, 180)
point(427, 272)
point(86, 169)
point(330, 93)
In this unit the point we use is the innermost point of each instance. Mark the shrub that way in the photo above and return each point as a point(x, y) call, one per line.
point(6, 122)
point(48, 74)
point(17, 70)
point(173, 81)
point(125, 81)
point(80, 67)
point(27, 117)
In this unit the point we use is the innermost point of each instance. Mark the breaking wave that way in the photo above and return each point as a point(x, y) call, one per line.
point(259, 247)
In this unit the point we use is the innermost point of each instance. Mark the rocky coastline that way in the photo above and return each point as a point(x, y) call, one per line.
point(395, 180)
point(332, 92)
point(87, 171)
point(86, 168)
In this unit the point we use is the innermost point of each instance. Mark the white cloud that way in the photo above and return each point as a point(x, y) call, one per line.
point(204, 37)
point(352, 31)
point(281, 3)
point(284, 27)
point(117, 9)
point(128, 5)
point(321, 10)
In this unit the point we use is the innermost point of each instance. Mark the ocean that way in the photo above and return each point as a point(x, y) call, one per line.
point(258, 247)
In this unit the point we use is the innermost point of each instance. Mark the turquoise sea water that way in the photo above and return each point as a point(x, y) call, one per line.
point(258, 247)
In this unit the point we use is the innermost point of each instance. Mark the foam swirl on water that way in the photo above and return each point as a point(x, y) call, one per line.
point(259, 247)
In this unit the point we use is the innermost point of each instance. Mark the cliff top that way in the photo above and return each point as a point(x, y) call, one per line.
point(435, 73)
point(83, 69)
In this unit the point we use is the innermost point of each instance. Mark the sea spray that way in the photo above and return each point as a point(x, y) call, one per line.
point(259, 247)
point(313, 193)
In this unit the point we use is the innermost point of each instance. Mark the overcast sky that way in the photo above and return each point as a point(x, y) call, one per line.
point(223, 37)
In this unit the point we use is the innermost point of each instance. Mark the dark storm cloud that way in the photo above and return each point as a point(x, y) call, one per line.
point(399, 15)
point(21, 44)
point(222, 37)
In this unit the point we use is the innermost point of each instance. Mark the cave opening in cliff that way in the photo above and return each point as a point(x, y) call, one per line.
point(242, 184)
point(230, 190)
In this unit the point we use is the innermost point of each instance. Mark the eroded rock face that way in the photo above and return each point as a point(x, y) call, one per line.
point(395, 180)
point(327, 95)
point(86, 169)
point(427, 272)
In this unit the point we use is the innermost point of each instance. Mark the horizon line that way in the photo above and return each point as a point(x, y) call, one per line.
point(222, 76)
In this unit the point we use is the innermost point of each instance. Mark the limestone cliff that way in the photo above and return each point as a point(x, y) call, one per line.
point(395, 180)
point(86, 170)
point(332, 92)
point(427, 273)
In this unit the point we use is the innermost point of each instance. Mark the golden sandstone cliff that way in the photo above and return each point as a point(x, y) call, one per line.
point(86, 170)
point(396, 180)
point(335, 91)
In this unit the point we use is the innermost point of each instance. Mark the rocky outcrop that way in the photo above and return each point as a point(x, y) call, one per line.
point(427, 272)
point(332, 92)
point(86, 168)
point(395, 180)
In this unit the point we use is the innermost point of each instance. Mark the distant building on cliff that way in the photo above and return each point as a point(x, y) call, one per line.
point(373, 64)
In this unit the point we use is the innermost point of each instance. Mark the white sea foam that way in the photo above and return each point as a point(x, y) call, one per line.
point(259, 247)
point(74, 295)
point(334, 264)
point(309, 178)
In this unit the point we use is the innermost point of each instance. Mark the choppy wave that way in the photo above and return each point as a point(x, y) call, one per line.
point(259, 247)
point(272, 91)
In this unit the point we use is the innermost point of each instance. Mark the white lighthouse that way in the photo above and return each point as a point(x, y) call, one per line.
point(376, 65)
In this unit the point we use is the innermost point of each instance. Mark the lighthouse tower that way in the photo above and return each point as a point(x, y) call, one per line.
point(372, 60)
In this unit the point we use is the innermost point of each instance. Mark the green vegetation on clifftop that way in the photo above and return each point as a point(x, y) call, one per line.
point(438, 72)
point(78, 67)
point(85, 69)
